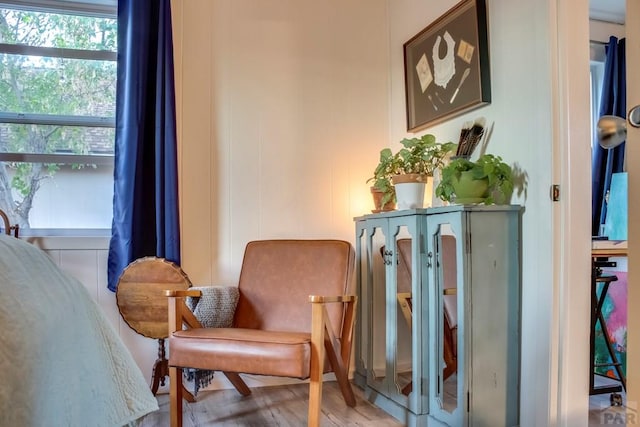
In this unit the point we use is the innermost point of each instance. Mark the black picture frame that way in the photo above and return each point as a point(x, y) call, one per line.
point(446, 66)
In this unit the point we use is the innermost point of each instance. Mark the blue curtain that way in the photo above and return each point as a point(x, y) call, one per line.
point(145, 201)
point(614, 102)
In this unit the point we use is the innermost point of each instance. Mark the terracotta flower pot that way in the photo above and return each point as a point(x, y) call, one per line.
point(410, 177)
point(377, 201)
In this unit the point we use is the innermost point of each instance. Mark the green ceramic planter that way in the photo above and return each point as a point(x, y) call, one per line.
point(470, 190)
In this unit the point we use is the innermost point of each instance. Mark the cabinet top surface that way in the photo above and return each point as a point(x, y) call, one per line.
point(441, 210)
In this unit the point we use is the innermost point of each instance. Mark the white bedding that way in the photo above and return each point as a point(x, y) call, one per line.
point(61, 362)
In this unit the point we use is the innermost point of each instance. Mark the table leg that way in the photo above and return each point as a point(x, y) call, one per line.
point(160, 368)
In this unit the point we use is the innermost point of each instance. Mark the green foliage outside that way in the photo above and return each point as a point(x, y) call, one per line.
point(52, 86)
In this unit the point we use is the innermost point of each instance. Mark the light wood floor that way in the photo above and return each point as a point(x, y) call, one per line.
point(287, 406)
point(271, 406)
point(601, 413)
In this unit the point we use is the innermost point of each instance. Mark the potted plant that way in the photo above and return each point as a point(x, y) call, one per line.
point(382, 190)
point(413, 167)
point(486, 180)
point(421, 156)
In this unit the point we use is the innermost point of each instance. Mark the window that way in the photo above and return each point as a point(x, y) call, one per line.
point(57, 113)
point(596, 71)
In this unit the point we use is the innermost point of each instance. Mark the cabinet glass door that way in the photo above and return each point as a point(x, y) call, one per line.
point(402, 300)
point(363, 291)
point(446, 392)
point(377, 370)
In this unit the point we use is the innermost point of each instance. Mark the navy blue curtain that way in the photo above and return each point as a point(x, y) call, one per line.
point(145, 201)
point(614, 102)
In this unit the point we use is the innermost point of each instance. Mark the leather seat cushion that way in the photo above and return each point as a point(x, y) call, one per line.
point(249, 351)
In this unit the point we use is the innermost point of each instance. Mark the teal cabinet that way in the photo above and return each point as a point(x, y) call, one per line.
point(438, 329)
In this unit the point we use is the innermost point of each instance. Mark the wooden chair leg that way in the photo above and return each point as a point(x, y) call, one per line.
point(238, 383)
point(175, 396)
point(317, 361)
point(339, 364)
point(345, 388)
point(186, 395)
point(340, 368)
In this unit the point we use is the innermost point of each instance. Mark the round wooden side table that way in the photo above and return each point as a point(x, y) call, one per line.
point(144, 307)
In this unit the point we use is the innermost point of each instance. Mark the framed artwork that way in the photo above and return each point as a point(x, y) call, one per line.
point(446, 66)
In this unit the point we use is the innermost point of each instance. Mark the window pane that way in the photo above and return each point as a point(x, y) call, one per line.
point(62, 86)
point(68, 196)
point(49, 139)
point(58, 30)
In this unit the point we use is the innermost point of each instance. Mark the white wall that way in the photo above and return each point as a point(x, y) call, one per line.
point(282, 110)
point(600, 31)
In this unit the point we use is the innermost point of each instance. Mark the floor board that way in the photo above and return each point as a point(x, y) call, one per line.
point(282, 406)
point(601, 413)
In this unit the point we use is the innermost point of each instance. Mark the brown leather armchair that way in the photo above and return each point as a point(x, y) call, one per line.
point(294, 304)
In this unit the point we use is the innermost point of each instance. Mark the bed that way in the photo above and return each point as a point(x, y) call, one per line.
point(62, 362)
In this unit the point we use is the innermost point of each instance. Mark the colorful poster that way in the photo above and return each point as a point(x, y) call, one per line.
point(614, 310)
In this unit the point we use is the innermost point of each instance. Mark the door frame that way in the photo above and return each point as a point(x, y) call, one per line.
point(569, 385)
point(633, 175)
point(571, 264)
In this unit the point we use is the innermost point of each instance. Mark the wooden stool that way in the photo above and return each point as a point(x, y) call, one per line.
point(144, 306)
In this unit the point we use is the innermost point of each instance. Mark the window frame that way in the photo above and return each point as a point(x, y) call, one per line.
point(91, 8)
point(596, 74)
point(98, 8)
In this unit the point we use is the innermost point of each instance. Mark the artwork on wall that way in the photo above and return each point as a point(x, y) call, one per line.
point(615, 225)
point(614, 310)
point(446, 66)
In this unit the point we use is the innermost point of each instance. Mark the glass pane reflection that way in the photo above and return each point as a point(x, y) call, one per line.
point(404, 318)
point(378, 308)
point(447, 317)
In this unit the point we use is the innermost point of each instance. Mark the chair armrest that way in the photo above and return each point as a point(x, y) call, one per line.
point(321, 299)
point(179, 313)
point(213, 305)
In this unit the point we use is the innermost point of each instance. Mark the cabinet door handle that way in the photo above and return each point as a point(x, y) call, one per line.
point(429, 257)
point(387, 257)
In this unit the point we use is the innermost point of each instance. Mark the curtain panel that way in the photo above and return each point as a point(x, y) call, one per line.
point(606, 162)
point(145, 202)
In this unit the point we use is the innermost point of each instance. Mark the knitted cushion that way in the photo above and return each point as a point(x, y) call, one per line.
point(216, 306)
point(213, 309)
